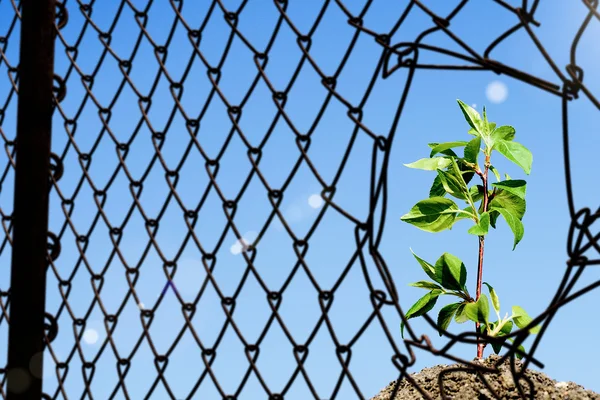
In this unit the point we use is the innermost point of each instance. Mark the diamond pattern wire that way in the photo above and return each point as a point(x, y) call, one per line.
point(9, 60)
point(140, 102)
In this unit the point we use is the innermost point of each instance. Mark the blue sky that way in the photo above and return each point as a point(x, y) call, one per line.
point(528, 277)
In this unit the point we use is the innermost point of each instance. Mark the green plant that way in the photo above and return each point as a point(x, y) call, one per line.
point(438, 213)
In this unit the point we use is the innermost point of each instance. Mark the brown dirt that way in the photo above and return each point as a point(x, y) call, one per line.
point(463, 385)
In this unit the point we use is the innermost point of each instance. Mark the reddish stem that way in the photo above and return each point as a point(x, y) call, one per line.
point(480, 346)
point(484, 175)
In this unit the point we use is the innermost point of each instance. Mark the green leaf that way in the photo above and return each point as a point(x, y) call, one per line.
point(453, 181)
point(465, 216)
point(452, 270)
point(497, 346)
point(422, 306)
point(493, 218)
point(472, 117)
point(483, 307)
point(437, 189)
point(432, 215)
point(430, 164)
point(451, 184)
point(447, 152)
point(459, 174)
point(489, 126)
point(508, 201)
point(516, 153)
point(506, 329)
point(461, 315)
point(512, 209)
point(514, 223)
point(503, 133)
point(445, 316)
point(494, 297)
point(476, 192)
point(496, 173)
point(478, 311)
point(467, 176)
point(518, 187)
point(472, 150)
point(520, 353)
point(445, 146)
point(428, 268)
point(483, 328)
point(425, 285)
point(481, 229)
point(522, 319)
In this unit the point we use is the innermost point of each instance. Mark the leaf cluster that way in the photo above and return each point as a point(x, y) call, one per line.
point(449, 276)
point(507, 198)
point(439, 212)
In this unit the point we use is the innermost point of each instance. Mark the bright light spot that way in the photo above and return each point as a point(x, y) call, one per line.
point(243, 243)
point(474, 105)
point(315, 201)
point(236, 248)
point(90, 336)
point(496, 92)
point(141, 306)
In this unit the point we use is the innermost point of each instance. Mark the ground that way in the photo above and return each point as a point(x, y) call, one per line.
point(463, 385)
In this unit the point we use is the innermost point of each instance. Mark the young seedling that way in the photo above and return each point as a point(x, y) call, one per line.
point(438, 213)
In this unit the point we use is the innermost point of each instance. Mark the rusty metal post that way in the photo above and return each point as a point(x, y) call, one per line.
point(30, 216)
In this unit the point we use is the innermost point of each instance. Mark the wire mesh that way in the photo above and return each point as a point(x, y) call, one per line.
point(152, 107)
point(9, 60)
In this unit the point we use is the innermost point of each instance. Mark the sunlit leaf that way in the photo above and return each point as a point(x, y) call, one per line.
point(472, 116)
point(481, 229)
point(472, 150)
point(432, 215)
point(452, 271)
point(437, 189)
point(496, 173)
point(494, 297)
point(503, 133)
point(522, 319)
point(516, 153)
point(478, 311)
point(518, 187)
point(425, 285)
point(428, 268)
point(513, 222)
point(430, 164)
point(451, 184)
point(447, 152)
point(422, 306)
point(445, 146)
point(461, 316)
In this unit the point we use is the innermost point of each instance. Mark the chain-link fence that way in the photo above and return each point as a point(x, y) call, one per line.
point(182, 132)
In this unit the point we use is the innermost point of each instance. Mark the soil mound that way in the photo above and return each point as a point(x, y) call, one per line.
point(459, 385)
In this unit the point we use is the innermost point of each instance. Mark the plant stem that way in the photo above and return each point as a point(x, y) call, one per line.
point(480, 346)
point(484, 176)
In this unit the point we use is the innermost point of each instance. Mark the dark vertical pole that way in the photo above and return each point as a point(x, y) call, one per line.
point(30, 216)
